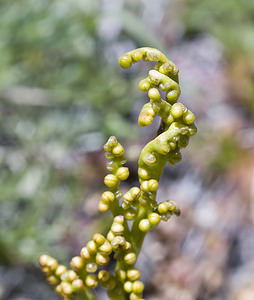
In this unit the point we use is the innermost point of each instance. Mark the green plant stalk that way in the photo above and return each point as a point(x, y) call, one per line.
point(138, 205)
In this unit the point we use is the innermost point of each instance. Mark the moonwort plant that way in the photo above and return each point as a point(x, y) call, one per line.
point(139, 205)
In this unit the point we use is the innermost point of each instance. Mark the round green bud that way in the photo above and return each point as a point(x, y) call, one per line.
point(77, 263)
point(52, 264)
point(77, 284)
point(130, 258)
point(154, 219)
point(177, 110)
point(84, 253)
point(102, 259)
point(166, 68)
point(149, 159)
point(60, 270)
point(189, 118)
point(137, 55)
point(127, 246)
point(43, 260)
point(91, 267)
point(144, 186)
point(119, 219)
point(128, 287)
point(112, 142)
point(69, 276)
point(110, 236)
point(91, 247)
point(163, 207)
point(143, 174)
point(172, 96)
point(125, 61)
point(64, 276)
point(106, 248)
point(127, 197)
point(99, 239)
point(154, 94)
point(122, 173)
point(135, 192)
point(110, 180)
point(58, 289)
point(144, 85)
point(133, 274)
point(171, 206)
point(137, 287)
point(117, 241)
point(103, 276)
point(66, 288)
point(117, 228)
point(53, 280)
point(118, 150)
point(145, 119)
point(103, 207)
point(148, 110)
point(91, 281)
point(107, 197)
point(153, 185)
point(144, 225)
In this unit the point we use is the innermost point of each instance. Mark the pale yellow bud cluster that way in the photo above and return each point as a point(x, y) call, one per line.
point(66, 282)
point(128, 276)
point(130, 202)
point(132, 285)
point(167, 209)
point(162, 212)
point(149, 185)
point(169, 113)
point(116, 236)
point(114, 152)
point(149, 189)
point(181, 114)
point(95, 253)
point(152, 220)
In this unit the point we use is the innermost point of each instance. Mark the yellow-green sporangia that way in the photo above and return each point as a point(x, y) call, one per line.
point(138, 205)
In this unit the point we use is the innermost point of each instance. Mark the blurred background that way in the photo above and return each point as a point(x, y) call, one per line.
point(62, 94)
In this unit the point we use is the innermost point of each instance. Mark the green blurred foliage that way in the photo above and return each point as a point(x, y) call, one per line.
point(232, 22)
